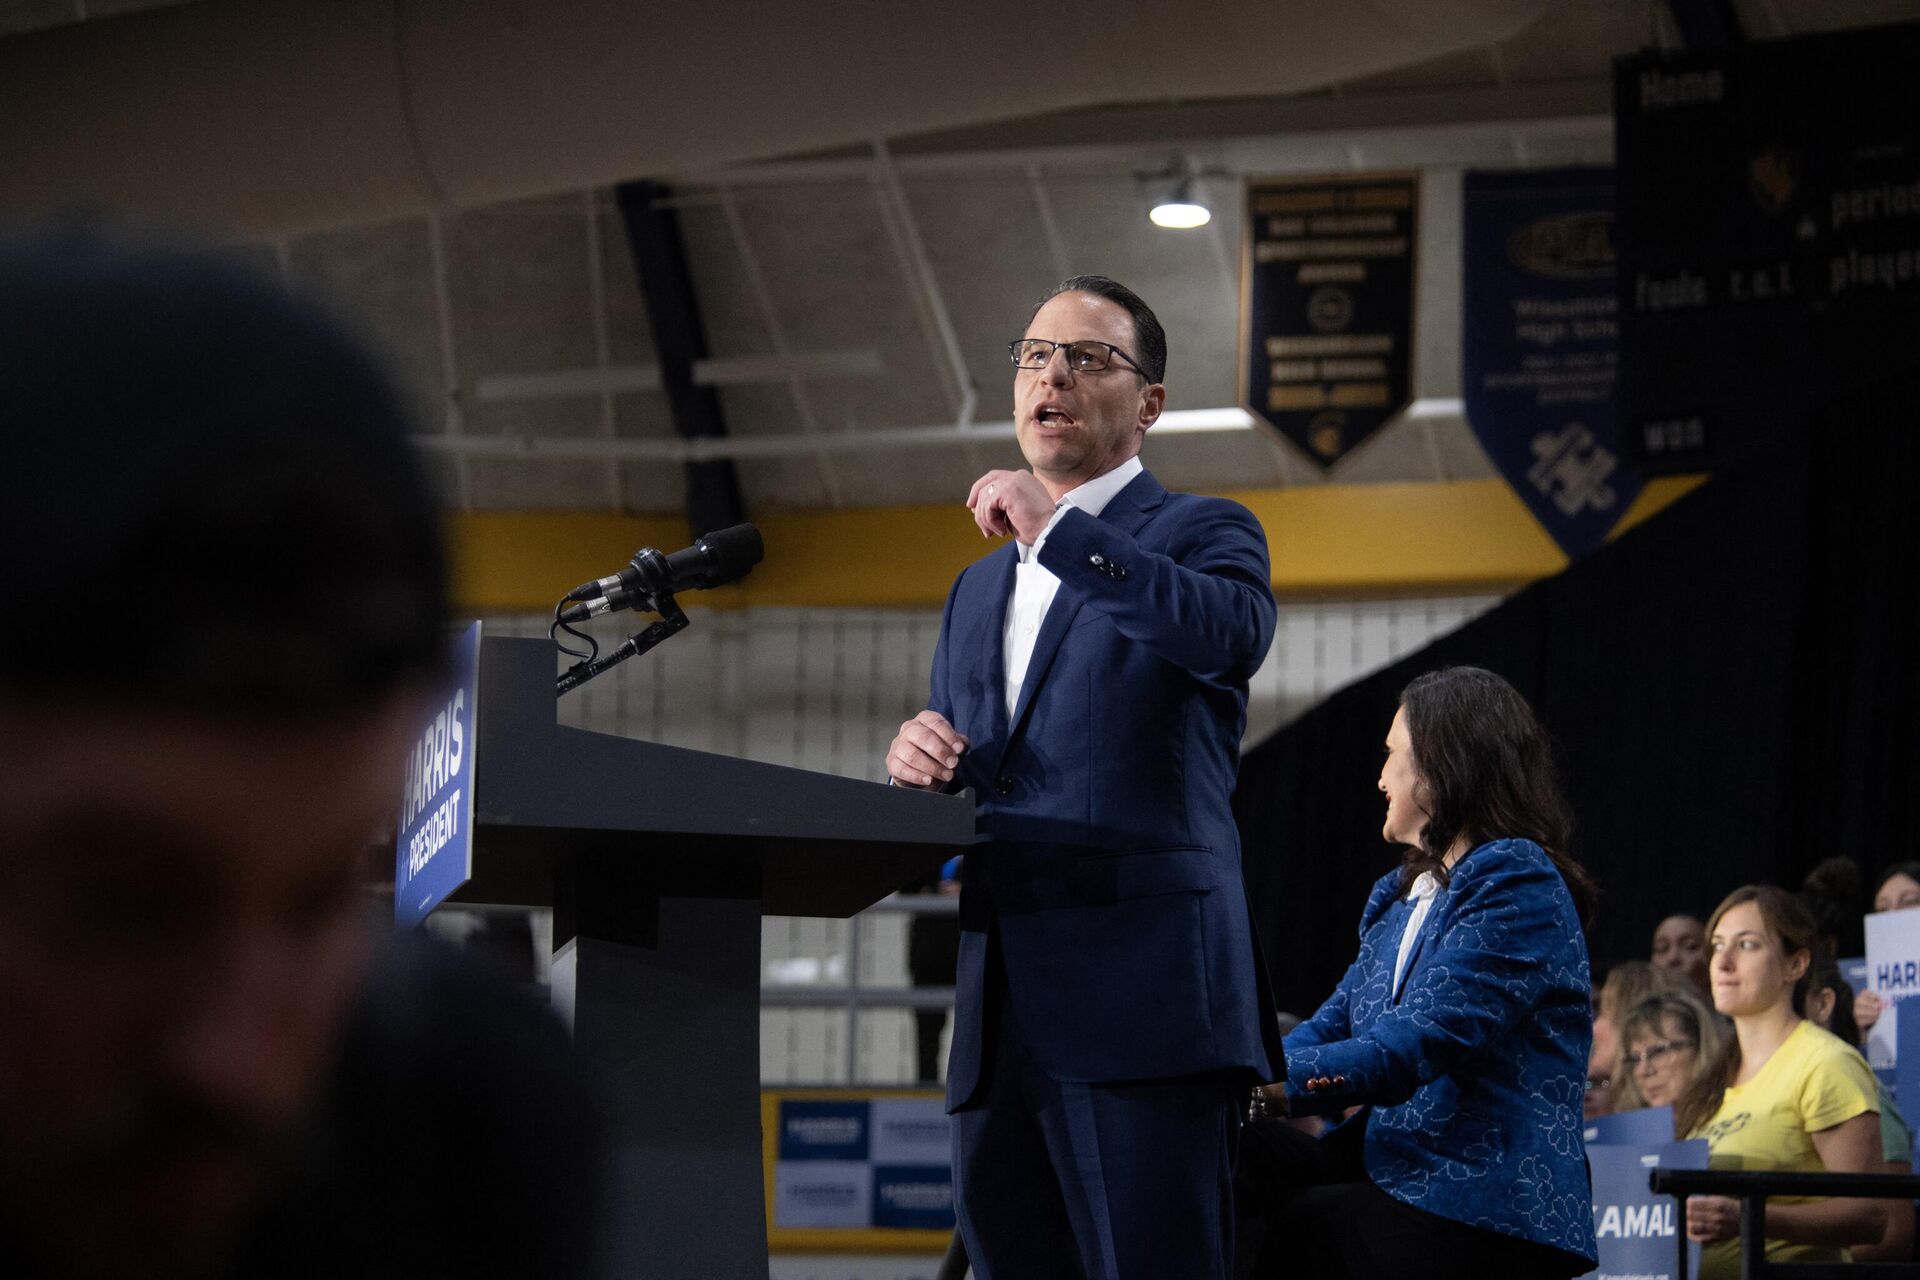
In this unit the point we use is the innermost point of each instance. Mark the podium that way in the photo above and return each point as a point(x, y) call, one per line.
point(658, 863)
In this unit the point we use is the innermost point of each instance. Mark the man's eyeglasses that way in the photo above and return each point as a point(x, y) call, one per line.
point(1654, 1052)
point(1082, 357)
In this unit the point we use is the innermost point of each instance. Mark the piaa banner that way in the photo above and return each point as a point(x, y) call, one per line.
point(1539, 345)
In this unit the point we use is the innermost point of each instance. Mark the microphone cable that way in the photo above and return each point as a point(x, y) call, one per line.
point(593, 650)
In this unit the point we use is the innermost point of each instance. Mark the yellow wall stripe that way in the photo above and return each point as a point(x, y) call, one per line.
point(1325, 540)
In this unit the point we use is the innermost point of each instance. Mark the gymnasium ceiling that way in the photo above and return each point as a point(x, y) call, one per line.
point(869, 204)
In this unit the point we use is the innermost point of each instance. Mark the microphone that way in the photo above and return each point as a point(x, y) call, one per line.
point(712, 561)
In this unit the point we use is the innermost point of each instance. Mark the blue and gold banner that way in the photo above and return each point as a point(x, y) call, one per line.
point(1326, 307)
point(857, 1170)
point(1769, 234)
point(1539, 345)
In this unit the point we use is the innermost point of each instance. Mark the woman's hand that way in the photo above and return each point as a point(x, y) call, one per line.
point(1711, 1219)
point(1269, 1100)
point(1866, 1009)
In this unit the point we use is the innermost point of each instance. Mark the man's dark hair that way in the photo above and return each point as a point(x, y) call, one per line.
point(210, 502)
point(1149, 339)
point(1485, 770)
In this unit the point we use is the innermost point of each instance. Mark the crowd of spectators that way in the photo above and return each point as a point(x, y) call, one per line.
point(1745, 1025)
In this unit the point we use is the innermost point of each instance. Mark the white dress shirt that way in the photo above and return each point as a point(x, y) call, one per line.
point(1424, 887)
point(1034, 585)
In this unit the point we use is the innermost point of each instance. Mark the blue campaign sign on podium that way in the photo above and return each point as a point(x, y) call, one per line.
point(1638, 1232)
point(434, 853)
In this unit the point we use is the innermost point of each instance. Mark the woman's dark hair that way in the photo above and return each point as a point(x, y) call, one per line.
point(1485, 771)
point(1792, 926)
point(1149, 338)
point(1834, 895)
point(1911, 870)
point(1826, 976)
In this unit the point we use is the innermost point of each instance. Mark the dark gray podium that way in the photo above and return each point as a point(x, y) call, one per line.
point(658, 863)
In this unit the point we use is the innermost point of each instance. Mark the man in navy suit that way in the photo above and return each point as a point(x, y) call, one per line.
point(1090, 685)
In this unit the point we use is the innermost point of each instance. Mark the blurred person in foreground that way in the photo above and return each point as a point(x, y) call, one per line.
point(1830, 1006)
point(1461, 1031)
point(1897, 889)
point(210, 1065)
point(1782, 1095)
point(1666, 1039)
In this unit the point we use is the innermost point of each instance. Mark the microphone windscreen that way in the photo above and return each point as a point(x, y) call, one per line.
point(731, 552)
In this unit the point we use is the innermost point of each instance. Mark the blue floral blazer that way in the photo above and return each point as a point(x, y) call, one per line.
point(1476, 1070)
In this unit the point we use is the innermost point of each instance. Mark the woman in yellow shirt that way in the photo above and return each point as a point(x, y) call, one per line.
point(1783, 1094)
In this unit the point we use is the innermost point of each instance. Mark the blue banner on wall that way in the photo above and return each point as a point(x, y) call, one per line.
point(434, 852)
point(1539, 344)
point(863, 1162)
point(1638, 1232)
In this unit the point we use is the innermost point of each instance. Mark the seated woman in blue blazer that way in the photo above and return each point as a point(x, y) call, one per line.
point(1460, 1033)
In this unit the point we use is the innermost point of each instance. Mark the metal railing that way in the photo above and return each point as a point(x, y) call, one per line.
point(1752, 1190)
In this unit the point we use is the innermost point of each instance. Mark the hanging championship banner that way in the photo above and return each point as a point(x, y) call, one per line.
point(1769, 235)
point(1539, 345)
point(1326, 307)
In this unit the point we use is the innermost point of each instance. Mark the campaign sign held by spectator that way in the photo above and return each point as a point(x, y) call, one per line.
point(862, 1163)
point(1642, 1125)
point(434, 852)
point(1904, 1080)
point(1638, 1232)
point(1893, 972)
point(1539, 345)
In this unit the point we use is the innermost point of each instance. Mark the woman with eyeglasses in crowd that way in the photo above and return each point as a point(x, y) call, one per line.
point(1782, 1094)
point(1627, 984)
point(1668, 1039)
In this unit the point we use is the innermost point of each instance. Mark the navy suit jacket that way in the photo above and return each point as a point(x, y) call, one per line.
point(1476, 1070)
point(1107, 874)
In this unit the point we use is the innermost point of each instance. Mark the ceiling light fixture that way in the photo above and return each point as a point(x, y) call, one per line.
point(1182, 210)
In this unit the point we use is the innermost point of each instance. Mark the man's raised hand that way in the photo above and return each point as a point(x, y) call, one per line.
point(1010, 503)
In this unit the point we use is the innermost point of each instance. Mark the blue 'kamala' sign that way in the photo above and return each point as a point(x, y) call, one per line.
point(434, 853)
point(1638, 1232)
